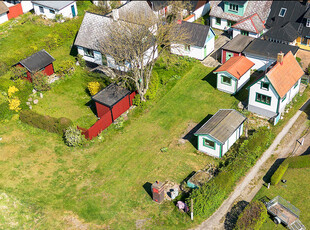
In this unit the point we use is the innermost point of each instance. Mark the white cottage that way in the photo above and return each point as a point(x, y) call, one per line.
point(90, 39)
point(200, 41)
point(263, 53)
point(269, 95)
point(3, 12)
point(220, 132)
point(50, 8)
point(233, 74)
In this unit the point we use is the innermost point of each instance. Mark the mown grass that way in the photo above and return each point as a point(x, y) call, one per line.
point(294, 190)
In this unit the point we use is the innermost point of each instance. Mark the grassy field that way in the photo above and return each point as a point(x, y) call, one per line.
point(294, 190)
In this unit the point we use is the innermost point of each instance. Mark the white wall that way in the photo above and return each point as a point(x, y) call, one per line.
point(96, 59)
point(243, 80)
point(223, 87)
point(256, 88)
point(3, 18)
point(260, 63)
point(26, 6)
point(289, 97)
point(212, 152)
point(237, 31)
point(223, 25)
point(200, 12)
point(66, 12)
point(232, 139)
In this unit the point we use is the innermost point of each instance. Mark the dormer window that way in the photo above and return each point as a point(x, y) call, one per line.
point(233, 7)
point(282, 12)
point(308, 22)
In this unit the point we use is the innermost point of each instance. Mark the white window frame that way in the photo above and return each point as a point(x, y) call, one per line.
point(308, 22)
point(282, 15)
point(41, 9)
point(52, 11)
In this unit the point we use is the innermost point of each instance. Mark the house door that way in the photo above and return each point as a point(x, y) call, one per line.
point(73, 11)
point(205, 50)
point(229, 55)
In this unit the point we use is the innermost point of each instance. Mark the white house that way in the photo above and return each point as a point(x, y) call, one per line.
point(49, 9)
point(199, 43)
point(220, 132)
point(3, 12)
point(263, 53)
point(233, 74)
point(90, 39)
point(269, 95)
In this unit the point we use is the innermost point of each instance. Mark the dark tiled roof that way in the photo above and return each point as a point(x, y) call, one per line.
point(196, 33)
point(57, 5)
point(37, 61)
point(238, 43)
point(285, 33)
point(262, 8)
point(3, 8)
point(110, 95)
point(307, 14)
point(222, 124)
point(268, 49)
point(251, 23)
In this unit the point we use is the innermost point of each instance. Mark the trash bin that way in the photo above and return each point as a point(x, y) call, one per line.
point(158, 192)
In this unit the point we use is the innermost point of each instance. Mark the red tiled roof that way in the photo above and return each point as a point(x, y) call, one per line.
point(236, 66)
point(284, 76)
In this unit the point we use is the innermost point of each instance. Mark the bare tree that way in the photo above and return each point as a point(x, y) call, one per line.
point(133, 43)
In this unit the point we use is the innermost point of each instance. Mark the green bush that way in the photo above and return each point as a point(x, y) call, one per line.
point(51, 124)
point(73, 137)
point(234, 165)
point(81, 60)
point(65, 67)
point(40, 81)
point(278, 174)
point(252, 217)
point(298, 161)
point(137, 100)
point(5, 112)
point(17, 72)
point(153, 86)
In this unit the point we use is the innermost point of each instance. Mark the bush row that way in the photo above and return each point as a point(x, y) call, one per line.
point(211, 195)
point(51, 124)
point(276, 177)
point(252, 217)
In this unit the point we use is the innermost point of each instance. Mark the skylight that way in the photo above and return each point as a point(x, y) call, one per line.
point(282, 12)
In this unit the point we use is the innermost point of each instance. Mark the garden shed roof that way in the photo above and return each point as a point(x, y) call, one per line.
point(111, 95)
point(238, 43)
point(3, 8)
point(37, 61)
point(57, 5)
point(222, 124)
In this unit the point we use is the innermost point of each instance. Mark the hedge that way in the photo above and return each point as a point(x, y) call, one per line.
point(252, 217)
point(211, 195)
point(51, 124)
point(299, 161)
point(278, 174)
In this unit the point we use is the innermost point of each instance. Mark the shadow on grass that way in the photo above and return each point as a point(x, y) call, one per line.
point(232, 216)
point(211, 79)
point(190, 135)
point(148, 188)
point(92, 106)
point(272, 169)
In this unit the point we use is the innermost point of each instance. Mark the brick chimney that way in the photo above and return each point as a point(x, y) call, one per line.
point(280, 57)
point(115, 14)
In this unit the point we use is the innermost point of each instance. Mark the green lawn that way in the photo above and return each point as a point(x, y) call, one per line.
point(295, 190)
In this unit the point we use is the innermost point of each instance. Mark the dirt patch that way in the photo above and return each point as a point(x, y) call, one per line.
point(305, 58)
point(72, 222)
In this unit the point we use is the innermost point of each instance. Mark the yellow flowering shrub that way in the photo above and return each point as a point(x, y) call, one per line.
point(93, 87)
point(14, 104)
point(12, 90)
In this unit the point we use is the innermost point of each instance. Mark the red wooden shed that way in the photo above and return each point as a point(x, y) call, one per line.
point(40, 61)
point(113, 99)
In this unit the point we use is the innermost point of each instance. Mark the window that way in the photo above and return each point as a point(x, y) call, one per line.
point(88, 52)
point(41, 9)
point(308, 22)
point(218, 21)
point(283, 99)
point(52, 11)
point(296, 85)
point(233, 7)
point(187, 48)
point(263, 99)
point(282, 12)
point(244, 32)
point(208, 143)
point(230, 23)
point(226, 80)
point(264, 86)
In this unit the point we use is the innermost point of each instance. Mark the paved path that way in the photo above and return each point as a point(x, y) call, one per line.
point(217, 219)
point(211, 60)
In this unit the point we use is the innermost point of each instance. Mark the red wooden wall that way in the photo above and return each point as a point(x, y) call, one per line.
point(121, 107)
point(49, 70)
point(15, 11)
point(101, 109)
point(224, 55)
